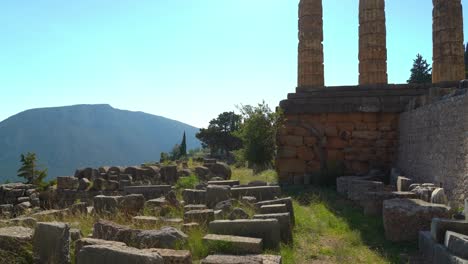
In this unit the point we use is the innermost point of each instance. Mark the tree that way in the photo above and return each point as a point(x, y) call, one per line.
point(258, 133)
point(421, 71)
point(219, 136)
point(466, 61)
point(29, 170)
point(175, 152)
point(183, 147)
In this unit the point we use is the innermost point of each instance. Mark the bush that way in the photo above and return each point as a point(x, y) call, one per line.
point(187, 182)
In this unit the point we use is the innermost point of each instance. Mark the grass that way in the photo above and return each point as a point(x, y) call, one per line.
point(329, 228)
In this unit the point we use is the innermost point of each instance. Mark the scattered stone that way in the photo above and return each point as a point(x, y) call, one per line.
point(75, 234)
point(67, 182)
point(172, 221)
point(343, 183)
point(403, 184)
point(171, 256)
point(287, 201)
point(189, 227)
point(262, 193)
point(24, 221)
point(233, 244)
point(273, 209)
point(149, 191)
point(457, 244)
point(440, 226)
point(14, 237)
point(239, 213)
point(158, 202)
point(49, 214)
point(257, 183)
point(202, 217)
point(194, 196)
point(423, 193)
point(221, 170)
point(404, 218)
point(249, 199)
point(414, 186)
point(132, 204)
point(373, 202)
point(171, 198)
point(202, 172)
point(426, 246)
point(51, 243)
point(83, 184)
point(247, 259)
point(216, 194)
point(266, 229)
point(166, 237)
point(146, 220)
point(285, 224)
point(442, 255)
point(111, 231)
point(191, 207)
point(438, 196)
point(117, 254)
point(79, 244)
point(228, 182)
point(107, 204)
point(224, 206)
point(111, 185)
point(358, 189)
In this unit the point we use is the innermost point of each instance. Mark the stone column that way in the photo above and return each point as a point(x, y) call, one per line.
point(310, 59)
point(372, 42)
point(447, 37)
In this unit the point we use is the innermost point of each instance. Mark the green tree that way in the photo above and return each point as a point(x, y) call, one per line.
point(29, 170)
point(175, 152)
point(258, 133)
point(183, 147)
point(466, 61)
point(219, 136)
point(421, 71)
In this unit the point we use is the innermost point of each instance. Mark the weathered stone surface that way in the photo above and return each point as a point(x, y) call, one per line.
point(202, 217)
point(132, 204)
point(442, 255)
point(189, 227)
point(79, 244)
point(403, 184)
point(107, 230)
point(423, 193)
point(67, 182)
point(373, 201)
point(224, 206)
point(194, 196)
point(24, 221)
point(51, 243)
point(358, 189)
point(438, 196)
point(284, 222)
point(117, 254)
point(266, 229)
point(248, 199)
point(171, 256)
point(287, 201)
point(158, 202)
point(149, 191)
point(220, 169)
point(273, 209)
point(404, 218)
point(262, 193)
point(169, 174)
point(146, 220)
point(216, 194)
point(233, 244)
point(166, 237)
point(343, 183)
point(75, 234)
point(107, 204)
point(457, 244)
point(238, 213)
point(227, 182)
point(440, 226)
point(190, 207)
point(202, 172)
point(15, 236)
point(426, 246)
point(247, 259)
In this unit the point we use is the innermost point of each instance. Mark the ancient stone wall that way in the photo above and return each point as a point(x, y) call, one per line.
point(433, 145)
point(337, 142)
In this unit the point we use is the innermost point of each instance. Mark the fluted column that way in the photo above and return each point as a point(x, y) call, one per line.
point(310, 60)
point(372, 42)
point(447, 37)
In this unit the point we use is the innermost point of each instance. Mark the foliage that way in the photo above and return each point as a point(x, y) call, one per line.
point(187, 182)
point(421, 71)
point(164, 157)
point(466, 61)
point(258, 134)
point(29, 170)
point(219, 136)
point(183, 147)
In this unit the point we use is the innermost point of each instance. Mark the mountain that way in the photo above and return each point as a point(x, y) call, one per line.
point(71, 137)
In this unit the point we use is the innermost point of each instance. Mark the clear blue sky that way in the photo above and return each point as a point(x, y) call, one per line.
point(183, 59)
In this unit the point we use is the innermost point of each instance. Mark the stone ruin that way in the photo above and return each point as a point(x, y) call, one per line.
point(218, 205)
point(350, 130)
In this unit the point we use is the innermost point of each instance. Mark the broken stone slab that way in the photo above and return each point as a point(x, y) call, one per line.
point(149, 191)
point(194, 196)
point(51, 243)
point(158, 202)
point(146, 220)
point(202, 217)
point(249, 199)
point(394, 173)
point(171, 256)
point(24, 221)
point(457, 244)
point(80, 243)
point(188, 227)
point(438, 196)
point(404, 218)
point(67, 182)
point(220, 169)
point(14, 237)
point(343, 183)
point(246, 259)
point(191, 207)
point(285, 224)
point(238, 213)
point(440, 226)
point(442, 255)
point(46, 214)
point(216, 194)
point(261, 193)
point(132, 204)
point(266, 229)
point(423, 193)
point(403, 184)
point(166, 237)
point(233, 244)
point(358, 189)
point(108, 230)
point(287, 201)
point(273, 209)
point(75, 234)
point(116, 254)
point(228, 182)
point(106, 204)
point(373, 201)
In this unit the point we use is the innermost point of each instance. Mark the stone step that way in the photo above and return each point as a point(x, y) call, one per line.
point(233, 244)
point(284, 222)
point(273, 209)
point(247, 259)
point(202, 217)
point(228, 182)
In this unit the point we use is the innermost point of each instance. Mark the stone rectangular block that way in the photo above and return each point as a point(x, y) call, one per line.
point(202, 217)
point(262, 193)
point(273, 209)
point(358, 189)
point(246, 259)
point(233, 244)
point(216, 194)
point(149, 191)
point(284, 222)
point(194, 196)
point(426, 246)
point(440, 226)
point(51, 243)
point(403, 184)
point(266, 229)
point(171, 256)
point(457, 244)
point(227, 182)
point(117, 254)
point(287, 201)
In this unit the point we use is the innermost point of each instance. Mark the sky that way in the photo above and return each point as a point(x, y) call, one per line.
point(187, 60)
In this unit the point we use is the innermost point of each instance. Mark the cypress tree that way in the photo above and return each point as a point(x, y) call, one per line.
point(183, 147)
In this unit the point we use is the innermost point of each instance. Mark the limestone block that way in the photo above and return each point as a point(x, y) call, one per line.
point(457, 244)
point(51, 243)
point(116, 254)
point(403, 184)
point(202, 217)
point(440, 226)
point(233, 244)
point(284, 222)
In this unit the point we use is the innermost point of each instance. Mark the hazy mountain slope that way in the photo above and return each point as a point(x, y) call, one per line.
point(70, 137)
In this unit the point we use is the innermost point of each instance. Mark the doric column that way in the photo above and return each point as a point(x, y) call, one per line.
point(447, 37)
point(310, 60)
point(372, 42)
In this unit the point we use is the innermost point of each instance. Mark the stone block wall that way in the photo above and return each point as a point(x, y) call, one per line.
point(433, 145)
point(354, 141)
